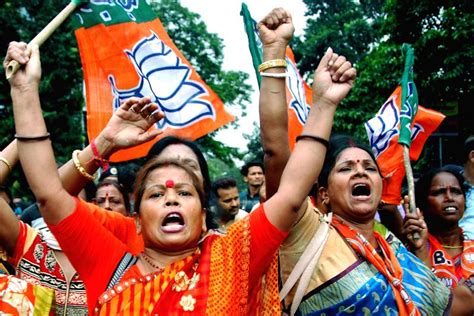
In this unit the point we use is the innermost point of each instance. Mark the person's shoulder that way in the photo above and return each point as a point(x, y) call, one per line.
point(241, 214)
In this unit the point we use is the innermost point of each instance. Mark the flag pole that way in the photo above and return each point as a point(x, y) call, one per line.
point(410, 179)
point(411, 185)
point(45, 33)
point(409, 108)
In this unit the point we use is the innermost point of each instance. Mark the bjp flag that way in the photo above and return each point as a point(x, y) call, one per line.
point(384, 130)
point(298, 93)
point(126, 52)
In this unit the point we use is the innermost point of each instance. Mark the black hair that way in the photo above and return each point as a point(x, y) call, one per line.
point(337, 144)
point(164, 142)
point(223, 183)
point(158, 163)
point(245, 168)
point(120, 188)
point(468, 147)
point(423, 185)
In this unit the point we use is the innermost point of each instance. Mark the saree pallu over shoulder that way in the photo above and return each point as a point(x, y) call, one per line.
point(230, 256)
point(215, 280)
point(451, 270)
point(362, 290)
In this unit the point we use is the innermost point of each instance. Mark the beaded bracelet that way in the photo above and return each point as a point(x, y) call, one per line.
point(5, 161)
point(102, 162)
point(274, 63)
point(79, 167)
point(24, 138)
point(315, 138)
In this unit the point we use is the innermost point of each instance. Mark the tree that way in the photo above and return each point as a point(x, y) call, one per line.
point(61, 89)
point(254, 147)
point(204, 52)
point(61, 86)
point(371, 33)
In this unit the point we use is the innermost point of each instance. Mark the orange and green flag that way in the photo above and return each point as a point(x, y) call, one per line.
point(298, 93)
point(384, 132)
point(126, 52)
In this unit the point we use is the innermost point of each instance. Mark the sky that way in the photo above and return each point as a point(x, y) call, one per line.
point(223, 18)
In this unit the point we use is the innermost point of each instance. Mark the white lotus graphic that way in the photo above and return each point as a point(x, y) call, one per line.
point(166, 79)
point(385, 126)
point(298, 93)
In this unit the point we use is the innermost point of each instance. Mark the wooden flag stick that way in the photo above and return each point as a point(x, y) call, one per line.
point(411, 184)
point(42, 36)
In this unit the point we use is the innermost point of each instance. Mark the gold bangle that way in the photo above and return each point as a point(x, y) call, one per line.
point(274, 63)
point(79, 167)
point(5, 161)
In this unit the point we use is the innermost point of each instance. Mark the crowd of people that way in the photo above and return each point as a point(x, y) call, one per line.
point(296, 241)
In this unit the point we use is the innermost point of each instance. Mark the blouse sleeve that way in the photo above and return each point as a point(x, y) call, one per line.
point(122, 227)
point(93, 250)
point(265, 239)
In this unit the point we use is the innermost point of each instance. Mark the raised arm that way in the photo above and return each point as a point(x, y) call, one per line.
point(34, 148)
point(9, 158)
point(9, 228)
point(275, 30)
point(129, 126)
point(333, 79)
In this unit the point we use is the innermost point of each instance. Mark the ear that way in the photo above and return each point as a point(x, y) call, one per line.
point(246, 179)
point(323, 193)
point(204, 215)
point(138, 224)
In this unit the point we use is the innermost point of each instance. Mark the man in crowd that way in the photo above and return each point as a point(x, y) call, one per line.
point(255, 179)
point(467, 221)
point(227, 203)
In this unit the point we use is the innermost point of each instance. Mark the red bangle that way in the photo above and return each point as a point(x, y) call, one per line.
point(102, 162)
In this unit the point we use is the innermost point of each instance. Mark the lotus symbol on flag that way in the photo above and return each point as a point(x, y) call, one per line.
point(297, 91)
point(383, 127)
point(166, 79)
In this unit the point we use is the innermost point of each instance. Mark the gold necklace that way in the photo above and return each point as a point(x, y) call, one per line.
point(452, 247)
point(148, 260)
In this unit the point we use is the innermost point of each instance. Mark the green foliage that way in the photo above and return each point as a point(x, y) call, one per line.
point(255, 150)
point(204, 52)
point(61, 86)
point(370, 34)
point(349, 27)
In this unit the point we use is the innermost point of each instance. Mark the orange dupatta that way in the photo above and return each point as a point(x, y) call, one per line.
point(388, 265)
point(445, 266)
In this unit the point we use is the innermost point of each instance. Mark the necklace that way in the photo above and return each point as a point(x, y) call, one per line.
point(452, 247)
point(150, 262)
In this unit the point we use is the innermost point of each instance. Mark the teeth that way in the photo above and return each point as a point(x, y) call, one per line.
point(450, 209)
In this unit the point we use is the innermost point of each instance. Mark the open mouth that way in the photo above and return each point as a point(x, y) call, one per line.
point(361, 190)
point(173, 222)
point(450, 210)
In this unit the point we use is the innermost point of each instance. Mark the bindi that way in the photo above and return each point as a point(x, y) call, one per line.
point(169, 184)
